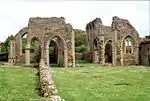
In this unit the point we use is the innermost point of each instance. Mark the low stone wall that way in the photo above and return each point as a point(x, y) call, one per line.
point(47, 88)
point(129, 59)
point(87, 56)
point(79, 56)
point(46, 83)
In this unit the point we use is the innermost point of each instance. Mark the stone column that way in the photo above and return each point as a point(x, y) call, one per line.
point(11, 52)
point(102, 49)
point(46, 55)
point(73, 49)
point(27, 56)
point(65, 56)
point(137, 55)
point(114, 51)
point(121, 53)
point(20, 46)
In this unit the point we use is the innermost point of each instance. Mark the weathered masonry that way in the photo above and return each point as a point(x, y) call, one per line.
point(117, 44)
point(42, 31)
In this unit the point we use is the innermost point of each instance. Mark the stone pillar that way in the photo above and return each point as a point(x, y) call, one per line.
point(11, 56)
point(121, 53)
point(73, 49)
point(46, 55)
point(102, 49)
point(27, 54)
point(114, 50)
point(137, 55)
point(65, 56)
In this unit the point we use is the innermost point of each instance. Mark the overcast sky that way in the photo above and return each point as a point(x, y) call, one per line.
point(14, 14)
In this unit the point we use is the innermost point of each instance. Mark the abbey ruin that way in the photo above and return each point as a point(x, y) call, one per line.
point(42, 31)
point(118, 44)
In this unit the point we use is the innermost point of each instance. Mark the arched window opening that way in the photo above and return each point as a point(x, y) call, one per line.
point(95, 43)
point(23, 42)
point(128, 45)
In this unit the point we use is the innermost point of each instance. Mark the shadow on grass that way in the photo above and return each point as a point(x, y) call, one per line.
point(123, 83)
point(55, 65)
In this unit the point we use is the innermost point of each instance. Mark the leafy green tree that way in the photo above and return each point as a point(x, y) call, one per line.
point(4, 47)
point(80, 37)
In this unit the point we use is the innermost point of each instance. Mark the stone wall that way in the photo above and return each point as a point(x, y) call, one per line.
point(79, 56)
point(43, 31)
point(98, 35)
point(47, 87)
point(88, 56)
point(124, 29)
point(144, 54)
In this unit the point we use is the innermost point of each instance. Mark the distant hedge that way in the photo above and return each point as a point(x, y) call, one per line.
point(3, 56)
point(81, 49)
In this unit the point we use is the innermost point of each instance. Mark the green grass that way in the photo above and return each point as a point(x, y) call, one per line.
point(87, 82)
point(92, 82)
point(18, 84)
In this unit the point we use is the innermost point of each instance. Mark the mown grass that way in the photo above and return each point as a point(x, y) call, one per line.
point(93, 82)
point(87, 82)
point(18, 84)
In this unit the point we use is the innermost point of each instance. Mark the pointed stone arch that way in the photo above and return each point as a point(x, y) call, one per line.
point(108, 52)
point(62, 50)
point(129, 52)
point(27, 50)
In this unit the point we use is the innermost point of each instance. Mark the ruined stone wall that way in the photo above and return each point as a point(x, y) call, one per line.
point(124, 29)
point(97, 37)
point(45, 29)
point(79, 56)
point(18, 44)
point(119, 30)
point(95, 40)
point(88, 56)
point(144, 53)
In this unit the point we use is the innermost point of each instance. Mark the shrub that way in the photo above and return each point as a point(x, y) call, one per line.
point(3, 56)
point(81, 49)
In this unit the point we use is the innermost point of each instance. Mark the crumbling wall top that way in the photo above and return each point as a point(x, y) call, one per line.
point(123, 26)
point(52, 20)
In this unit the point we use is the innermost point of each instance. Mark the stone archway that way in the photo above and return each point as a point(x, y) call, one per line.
point(33, 55)
point(61, 50)
point(129, 49)
point(108, 52)
point(23, 42)
point(95, 51)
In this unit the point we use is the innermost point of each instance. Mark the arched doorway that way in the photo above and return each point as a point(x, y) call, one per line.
point(108, 52)
point(144, 53)
point(95, 51)
point(33, 51)
point(57, 51)
point(53, 52)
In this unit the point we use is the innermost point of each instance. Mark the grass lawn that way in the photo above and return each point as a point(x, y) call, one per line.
point(92, 82)
point(87, 82)
point(18, 84)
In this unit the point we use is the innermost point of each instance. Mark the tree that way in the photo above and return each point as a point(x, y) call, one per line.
point(5, 44)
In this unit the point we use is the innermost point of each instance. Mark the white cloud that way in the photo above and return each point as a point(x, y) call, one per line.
point(14, 14)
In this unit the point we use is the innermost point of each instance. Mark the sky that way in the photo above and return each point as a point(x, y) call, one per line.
point(15, 14)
